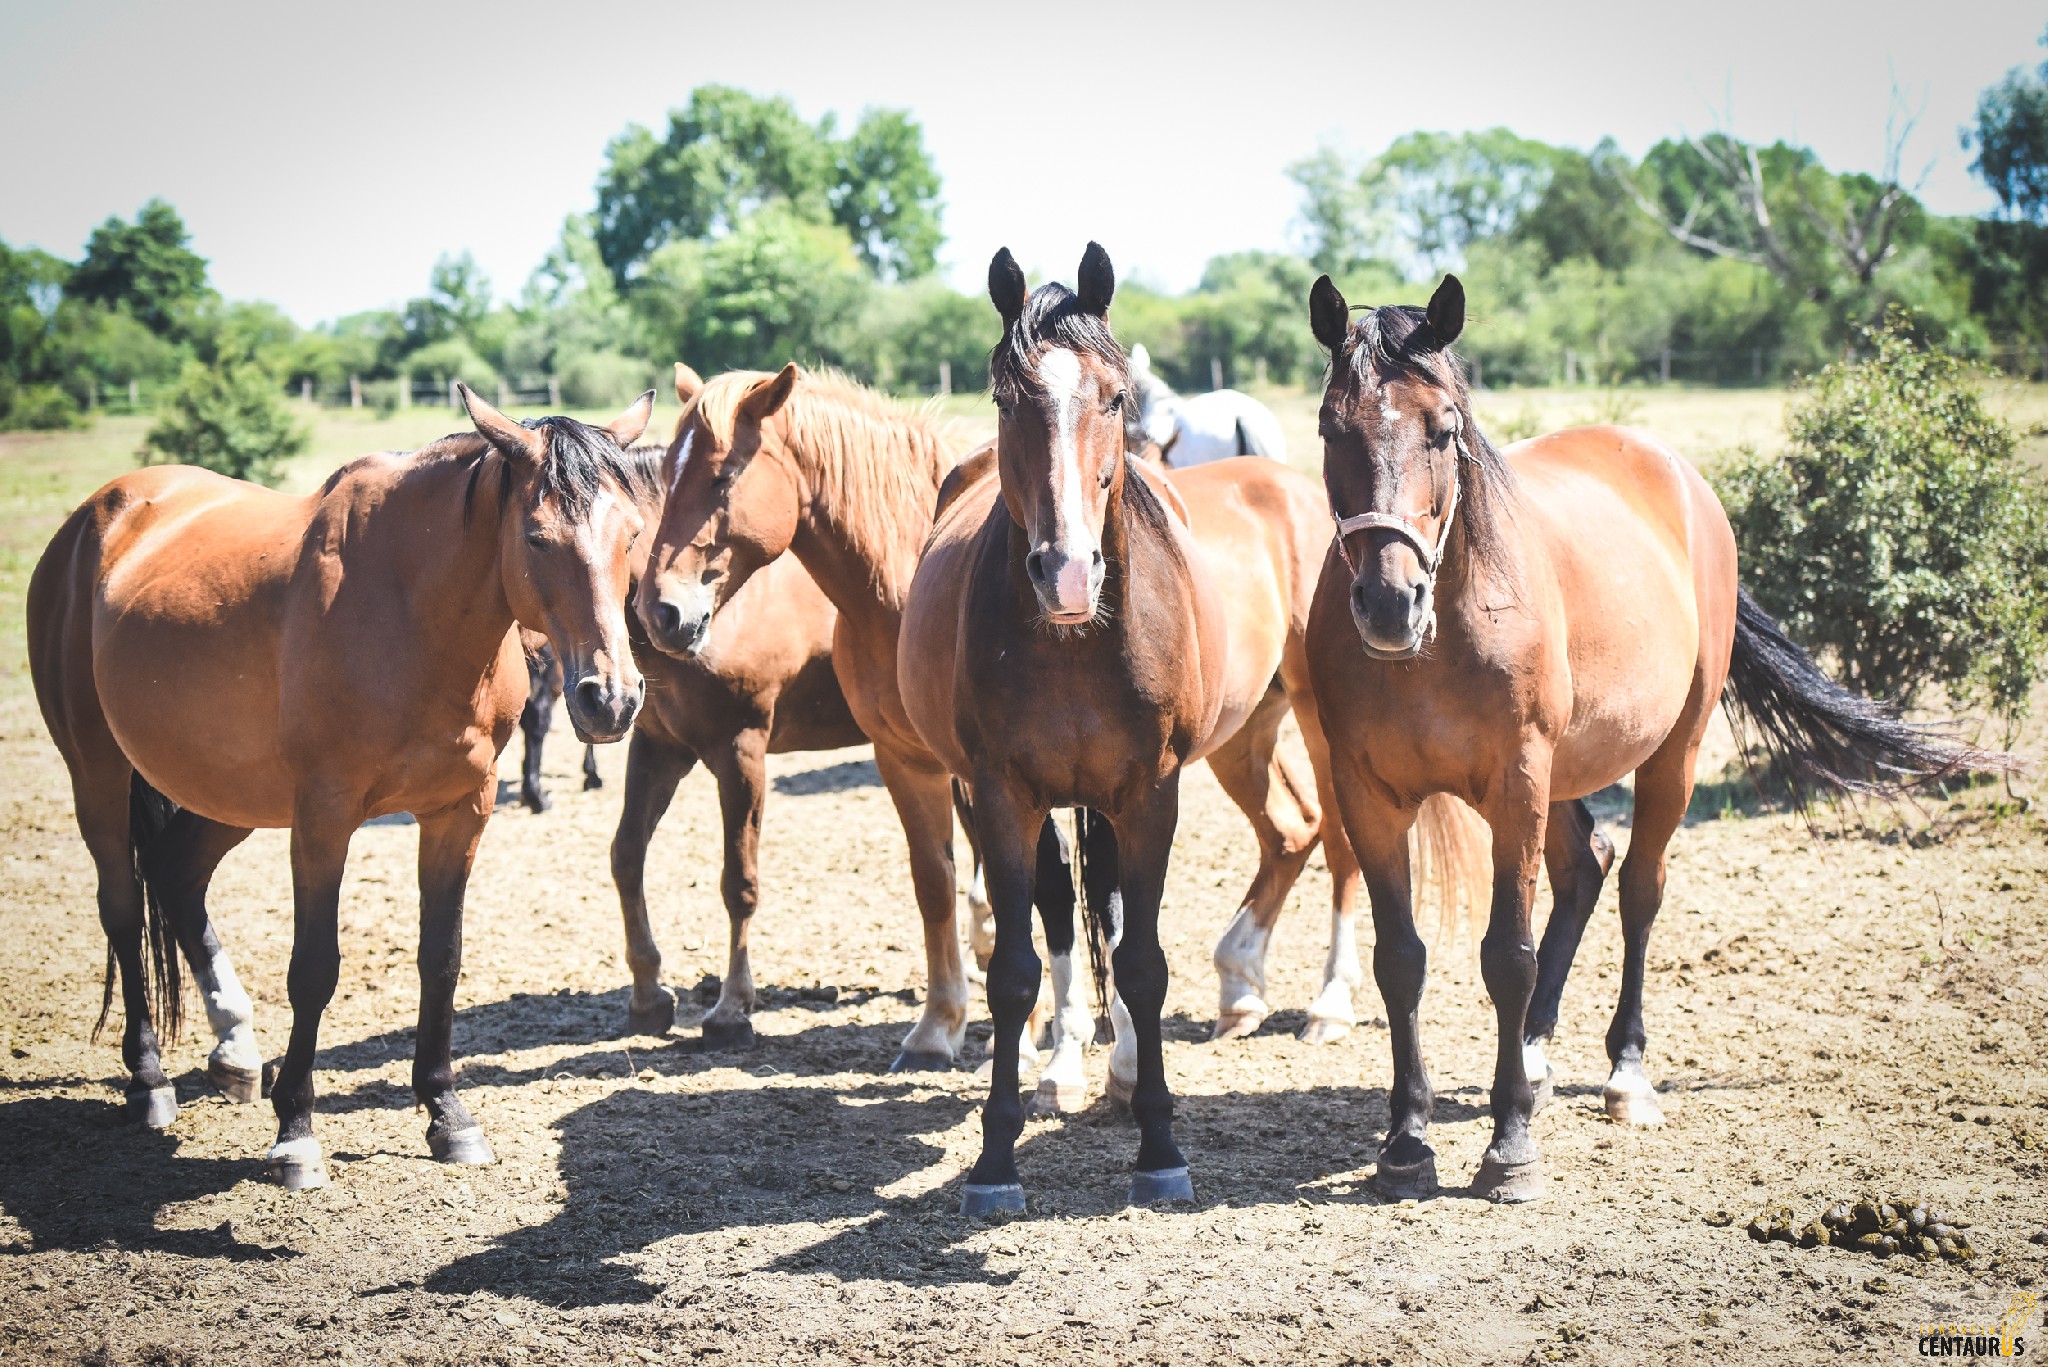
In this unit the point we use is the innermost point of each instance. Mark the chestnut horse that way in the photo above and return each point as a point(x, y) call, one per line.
point(759, 682)
point(211, 656)
point(848, 481)
point(1522, 629)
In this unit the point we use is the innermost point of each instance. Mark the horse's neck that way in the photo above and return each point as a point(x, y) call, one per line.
point(437, 548)
point(863, 559)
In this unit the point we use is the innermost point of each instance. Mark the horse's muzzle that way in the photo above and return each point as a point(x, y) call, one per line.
point(1393, 622)
point(602, 707)
point(1069, 587)
point(680, 623)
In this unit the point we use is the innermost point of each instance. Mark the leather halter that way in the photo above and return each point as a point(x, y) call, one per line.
point(1432, 557)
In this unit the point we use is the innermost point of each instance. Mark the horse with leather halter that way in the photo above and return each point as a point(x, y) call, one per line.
point(1523, 628)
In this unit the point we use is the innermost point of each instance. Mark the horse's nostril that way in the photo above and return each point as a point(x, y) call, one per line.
point(668, 617)
point(1034, 565)
point(1358, 602)
point(1098, 559)
point(591, 692)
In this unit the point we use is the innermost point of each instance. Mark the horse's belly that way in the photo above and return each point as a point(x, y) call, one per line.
point(195, 709)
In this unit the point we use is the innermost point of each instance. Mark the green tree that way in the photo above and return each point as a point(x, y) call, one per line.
point(228, 418)
point(146, 267)
point(1899, 531)
point(728, 154)
point(2011, 141)
point(457, 301)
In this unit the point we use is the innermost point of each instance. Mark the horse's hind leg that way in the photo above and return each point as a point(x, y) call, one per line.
point(1663, 790)
point(179, 865)
point(1333, 1013)
point(1577, 857)
point(922, 793)
point(981, 920)
point(592, 780)
point(1063, 1086)
point(653, 770)
point(1269, 788)
point(742, 774)
point(534, 720)
point(320, 839)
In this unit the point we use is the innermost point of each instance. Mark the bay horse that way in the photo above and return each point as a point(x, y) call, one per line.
point(759, 682)
point(1523, 628)
point(212, 656)
point(1082, 628)
point(847, 481)
point(543, 691)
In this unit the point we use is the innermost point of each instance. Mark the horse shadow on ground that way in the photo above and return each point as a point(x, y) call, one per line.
point(98, 1180)
point(645, 1165)
point(830, 778)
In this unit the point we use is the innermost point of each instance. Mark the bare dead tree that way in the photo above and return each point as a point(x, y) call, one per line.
point(1864, 237)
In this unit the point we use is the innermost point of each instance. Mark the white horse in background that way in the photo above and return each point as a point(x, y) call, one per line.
point(1200, 428)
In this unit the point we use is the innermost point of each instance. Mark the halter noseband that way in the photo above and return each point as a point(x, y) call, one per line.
point(1432, 557)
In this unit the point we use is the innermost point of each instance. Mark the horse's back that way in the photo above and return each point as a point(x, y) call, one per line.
point(1225, 423)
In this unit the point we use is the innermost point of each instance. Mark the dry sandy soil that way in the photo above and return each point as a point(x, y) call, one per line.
point(1829, 1014)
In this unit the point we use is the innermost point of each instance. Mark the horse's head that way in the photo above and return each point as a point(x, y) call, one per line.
point(734, 498)
point(1061, 386)
point(565, 540)
point(1394, 424)
point(1149, 413)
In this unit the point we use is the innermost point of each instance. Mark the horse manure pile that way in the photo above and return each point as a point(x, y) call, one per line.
point(1880, 1227)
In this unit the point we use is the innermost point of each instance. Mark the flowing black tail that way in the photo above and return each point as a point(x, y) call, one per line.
point(1823, 737)
point(1095, 864)
point(149, 815)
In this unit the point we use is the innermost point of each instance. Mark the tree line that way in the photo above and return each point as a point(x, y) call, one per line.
point(742, 235)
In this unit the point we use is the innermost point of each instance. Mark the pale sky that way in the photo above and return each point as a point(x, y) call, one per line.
point(323, 157)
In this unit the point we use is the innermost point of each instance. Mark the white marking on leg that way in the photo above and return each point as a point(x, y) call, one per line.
point(1123, 1057)
point(1240, 959)
point(230, 1012)
point(1072, 1028)
point(1535, 1066)
point(1341, 973)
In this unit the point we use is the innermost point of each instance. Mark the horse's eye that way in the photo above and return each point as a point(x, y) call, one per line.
point(536, 540)
point(1116, 402)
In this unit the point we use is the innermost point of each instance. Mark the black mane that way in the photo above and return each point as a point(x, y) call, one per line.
point(1052, 317)
point(1396, 341)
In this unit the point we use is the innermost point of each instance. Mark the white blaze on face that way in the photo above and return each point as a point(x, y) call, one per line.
point(1059, 372)
point(682, 460)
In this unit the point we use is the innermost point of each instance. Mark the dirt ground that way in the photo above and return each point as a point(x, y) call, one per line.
point(1829, 1015)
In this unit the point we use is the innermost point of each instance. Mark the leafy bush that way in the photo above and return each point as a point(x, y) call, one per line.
point(36, 408)
point(1899, 532)
point(228, 418)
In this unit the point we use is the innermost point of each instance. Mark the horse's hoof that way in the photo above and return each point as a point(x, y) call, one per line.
point(156, 1108)
point(1118, 1092)
point(1544, 1088)
point(1324, 1030)
point(297, 1164)
point(977, 1201)
point(922, 1061)
point(1406, 1181)
point(1237, 1024)
point(721, 1036)
point(241, 1086)
point(655, 1019)
point(535, 802)
point(1105, 1030)
point(592, 782)
point(1168, 1184)
point(1633, 1107)
point(466, 1147)
point(1057, 1098)
point(1509, 1183)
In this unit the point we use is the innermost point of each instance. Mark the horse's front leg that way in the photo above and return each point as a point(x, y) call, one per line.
point(1144, 838)
point(1512, 1169)
point(320, 839)
point(448, 841)
point(742, 774)
point(1007, 833)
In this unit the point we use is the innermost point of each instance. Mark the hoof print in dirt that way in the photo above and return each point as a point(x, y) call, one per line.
point(1881, 1227)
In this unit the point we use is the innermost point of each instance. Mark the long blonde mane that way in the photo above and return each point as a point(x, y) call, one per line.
point(872, 464)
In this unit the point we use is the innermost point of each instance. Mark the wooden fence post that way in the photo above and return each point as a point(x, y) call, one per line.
point(504, 396)
point(945, 378)
point(1259, 372)
point(454, 396)
point(305, 389)
point(134, 394)
point(1756, 363)
point(1571, 366)
point(405, 389)
point(1215, 373)
point(1664, 367)
point(355, 392)
point(554, 392)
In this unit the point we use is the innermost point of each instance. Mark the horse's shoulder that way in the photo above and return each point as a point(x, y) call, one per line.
point(978, 464)
point(1160, 484)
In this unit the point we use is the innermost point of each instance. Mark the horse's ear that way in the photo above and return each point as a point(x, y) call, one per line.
point(1141, 360)
point(1329, 318)
point(1447, 311)
point(516, 442)
point(760, 402)
point(688, 384)
point(626, 428)
point(1006, 285)
point(1097, 280)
